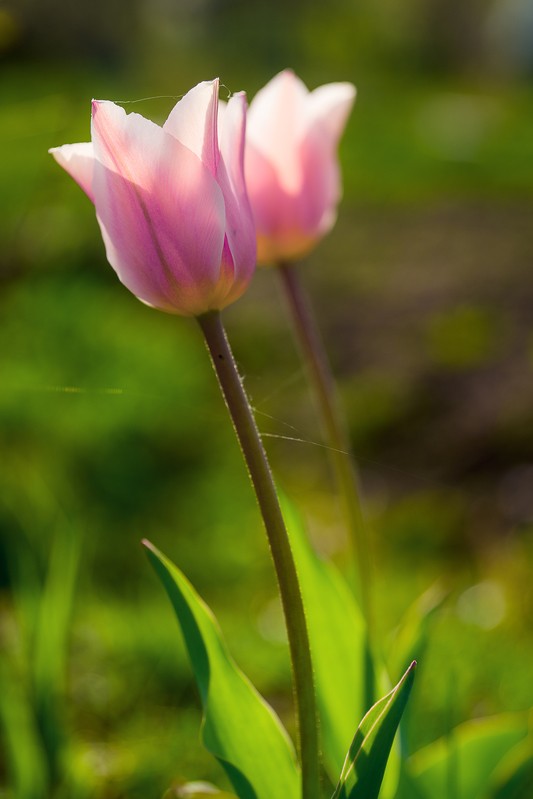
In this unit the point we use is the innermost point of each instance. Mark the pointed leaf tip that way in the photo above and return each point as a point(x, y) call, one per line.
point(366, 761)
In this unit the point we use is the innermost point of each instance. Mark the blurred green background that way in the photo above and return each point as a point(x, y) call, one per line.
point(111, 425)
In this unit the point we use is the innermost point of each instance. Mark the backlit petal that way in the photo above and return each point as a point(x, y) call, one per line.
point(277, 213)
point(292, 169)
point(231, 134)
point(160, 210)
point(173, 212)
point(330, 106)
point(276, 121)
point(78, 161)
point(240, 230)
point(328, 110)
point(193, 122)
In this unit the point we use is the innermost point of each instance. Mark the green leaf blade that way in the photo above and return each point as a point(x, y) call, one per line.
point(338, 640)
point(366, 761)
point(239, 728)
point(513, 778)
point(471, 753)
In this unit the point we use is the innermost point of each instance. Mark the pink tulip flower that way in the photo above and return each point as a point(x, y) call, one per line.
point(291, 164)
point(171, 201)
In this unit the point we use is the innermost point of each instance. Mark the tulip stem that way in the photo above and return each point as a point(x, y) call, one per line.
point(265, 490)
point(320, 375)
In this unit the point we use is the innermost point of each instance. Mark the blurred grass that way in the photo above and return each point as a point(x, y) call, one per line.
point(109, 412)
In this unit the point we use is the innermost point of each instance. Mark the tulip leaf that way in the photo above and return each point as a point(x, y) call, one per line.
point(411, 638)
point(24, 754)
point(466, 760)
point(513, 778)
point(31, 709)
point(51, 641)
point(410, 642)
point(337, 634)
point(239, 727)
point(366, 761)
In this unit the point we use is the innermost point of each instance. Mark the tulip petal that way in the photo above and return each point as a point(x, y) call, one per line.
point(328, 110)
point(78, 161)
point(277, 213)
point(292, 168)
point(321, 187)
point(193, 122)
point(240, 229)
point(275, 125)
point(160, 210)
point(330, 106)
point(232, 128)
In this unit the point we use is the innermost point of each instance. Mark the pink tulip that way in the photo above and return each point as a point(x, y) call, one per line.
point(292, 171)
point(171, 202)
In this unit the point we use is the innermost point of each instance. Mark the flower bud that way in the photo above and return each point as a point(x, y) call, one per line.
point(291, 164)
point(171, 201)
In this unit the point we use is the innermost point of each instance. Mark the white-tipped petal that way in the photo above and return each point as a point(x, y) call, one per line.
point(193, 122)
point(292, 170)
point(330, 106)
point(240, 230)
point(276, 122)
point(78, 161)
point(173, 211)
point(160, 209)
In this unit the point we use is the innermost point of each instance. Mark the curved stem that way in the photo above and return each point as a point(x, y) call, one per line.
point(319, 371)
point(263, 483)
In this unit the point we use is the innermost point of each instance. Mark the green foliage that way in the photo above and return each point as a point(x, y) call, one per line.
point(337, 634)
point(450, 164)
point(462, 765)
point(25, 757)
point(366, 761)
point(513, 777)
point(32, 712)
point(239, 728)
point(196, 790)
point(411, 638)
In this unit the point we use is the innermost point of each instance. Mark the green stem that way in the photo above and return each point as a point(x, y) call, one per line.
point(319, 371)
point(263, 483)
